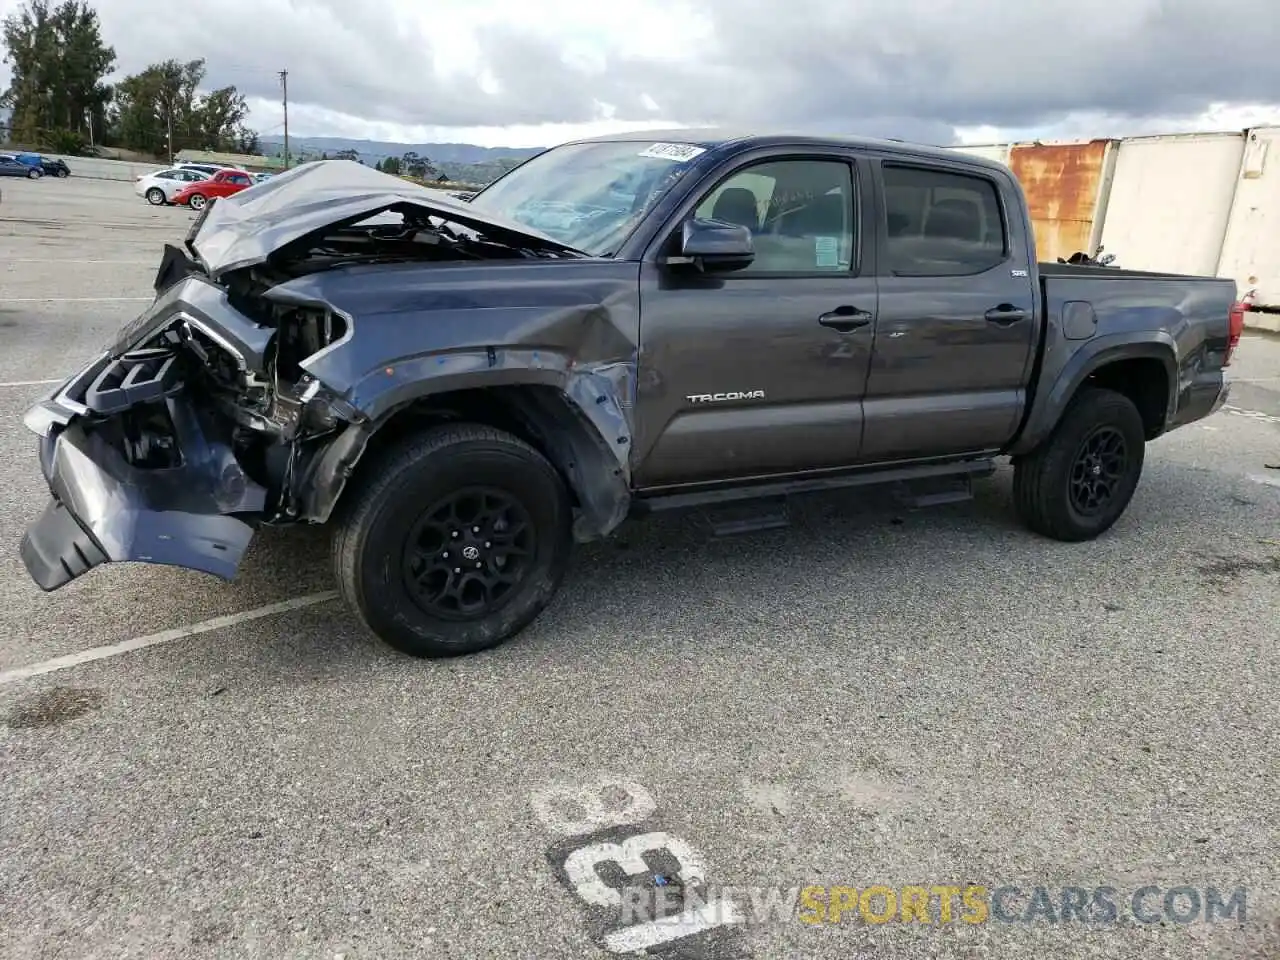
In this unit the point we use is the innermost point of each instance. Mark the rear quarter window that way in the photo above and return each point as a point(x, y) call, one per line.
point(941, 223)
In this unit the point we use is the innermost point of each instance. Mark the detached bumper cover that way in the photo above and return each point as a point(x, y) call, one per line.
point(105, 510)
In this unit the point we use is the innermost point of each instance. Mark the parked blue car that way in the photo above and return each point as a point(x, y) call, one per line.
point(50, 167)
point(10, 166)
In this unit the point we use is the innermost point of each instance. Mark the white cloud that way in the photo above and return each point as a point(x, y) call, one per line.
point(1218, 117)
point(501, 72)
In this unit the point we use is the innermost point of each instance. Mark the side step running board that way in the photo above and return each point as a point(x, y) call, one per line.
point(934, 493)
point(685, 499)
point(752, 517)
point(757, 507)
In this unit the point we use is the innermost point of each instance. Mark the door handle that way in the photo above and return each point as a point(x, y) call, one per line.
point(1005, 314)
point(845, 319)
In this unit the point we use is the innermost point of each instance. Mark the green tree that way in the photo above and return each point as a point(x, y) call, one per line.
point(58, 62)
point(217, 120)
point(247, 142)
point(161, 111)
point(155, 109)
point(391, 165)
point(416, 166)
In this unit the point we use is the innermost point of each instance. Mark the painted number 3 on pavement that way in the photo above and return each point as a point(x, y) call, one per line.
point(610, 855)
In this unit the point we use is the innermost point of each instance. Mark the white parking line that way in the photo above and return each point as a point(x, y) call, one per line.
point(1251, 414)
point(28, 383)
point(76, 299)
point(164, 636)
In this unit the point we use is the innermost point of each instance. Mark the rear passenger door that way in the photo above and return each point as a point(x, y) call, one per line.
point(957, 318)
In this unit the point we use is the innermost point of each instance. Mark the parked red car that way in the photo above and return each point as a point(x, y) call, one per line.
point(221, 184)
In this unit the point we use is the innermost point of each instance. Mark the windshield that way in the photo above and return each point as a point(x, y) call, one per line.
point(589, 196)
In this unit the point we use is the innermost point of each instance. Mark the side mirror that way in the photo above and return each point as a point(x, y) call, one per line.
point(715, 245)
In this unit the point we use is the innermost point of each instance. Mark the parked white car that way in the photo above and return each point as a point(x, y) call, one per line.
point(158, 188)
point(209, 168)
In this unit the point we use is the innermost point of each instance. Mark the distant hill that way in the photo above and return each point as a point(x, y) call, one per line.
point(464, 162)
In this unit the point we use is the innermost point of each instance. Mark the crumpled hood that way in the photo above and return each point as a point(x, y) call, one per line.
point(248, 227)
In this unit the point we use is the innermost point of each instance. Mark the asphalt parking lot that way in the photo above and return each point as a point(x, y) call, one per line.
point(871, 697)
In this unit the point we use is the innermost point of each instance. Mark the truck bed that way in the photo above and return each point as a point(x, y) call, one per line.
point(1073, 271)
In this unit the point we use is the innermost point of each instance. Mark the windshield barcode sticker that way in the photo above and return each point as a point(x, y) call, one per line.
point(679, 152)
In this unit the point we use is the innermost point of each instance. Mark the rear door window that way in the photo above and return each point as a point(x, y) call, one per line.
point(941, 223)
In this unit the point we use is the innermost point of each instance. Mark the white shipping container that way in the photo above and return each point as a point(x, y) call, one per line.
point(1170, 201)
point(1251, 248)
point(999, 152)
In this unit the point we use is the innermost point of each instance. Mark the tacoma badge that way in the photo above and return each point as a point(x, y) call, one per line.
point(720, 397)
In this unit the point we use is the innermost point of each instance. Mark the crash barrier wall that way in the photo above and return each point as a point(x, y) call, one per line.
point(1206, 204)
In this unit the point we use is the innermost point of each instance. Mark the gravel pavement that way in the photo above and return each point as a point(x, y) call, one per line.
point(871, 697)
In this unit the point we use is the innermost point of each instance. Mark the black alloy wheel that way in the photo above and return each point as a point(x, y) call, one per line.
point(1100, 468)
point(1078, 482)
point(468, 553)
point(452, 540)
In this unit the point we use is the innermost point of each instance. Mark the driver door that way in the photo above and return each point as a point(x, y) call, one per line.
point(761, 371)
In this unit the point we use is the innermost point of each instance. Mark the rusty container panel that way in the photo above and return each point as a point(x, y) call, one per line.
point(1062, 184)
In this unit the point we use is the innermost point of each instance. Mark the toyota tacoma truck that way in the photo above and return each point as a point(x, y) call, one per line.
point(465, 387)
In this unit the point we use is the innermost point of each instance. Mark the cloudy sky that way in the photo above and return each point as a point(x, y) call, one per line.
point(534, 72)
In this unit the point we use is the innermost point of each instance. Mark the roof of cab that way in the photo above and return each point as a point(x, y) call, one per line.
point(713, 137)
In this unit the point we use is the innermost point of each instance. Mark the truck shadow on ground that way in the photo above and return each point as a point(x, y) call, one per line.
point(847, 558)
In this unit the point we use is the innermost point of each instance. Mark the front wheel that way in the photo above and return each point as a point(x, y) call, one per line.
point(35, 173)
point(63, 174)
point(1080, 480)
point(155, 197)
point(196, 201)
point(454, 541)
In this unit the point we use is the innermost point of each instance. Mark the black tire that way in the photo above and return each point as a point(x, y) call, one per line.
point(63, 174)
point(1051, 484)
point(156, 197)
point(35, 173)
point(379, 521)
point(197, 201)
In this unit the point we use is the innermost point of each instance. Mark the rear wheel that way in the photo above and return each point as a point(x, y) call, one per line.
point(155, 196)
point(197, 201)
point(63, 174)
point(35, 173)
point(1080, 480)
point(454, 542)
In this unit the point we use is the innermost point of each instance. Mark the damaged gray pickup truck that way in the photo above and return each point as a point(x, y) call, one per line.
point(464, 387)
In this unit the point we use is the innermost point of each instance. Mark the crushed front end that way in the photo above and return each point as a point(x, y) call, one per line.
point(200, 421)
point(182, 437)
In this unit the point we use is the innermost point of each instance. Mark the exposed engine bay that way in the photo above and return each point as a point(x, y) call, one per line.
point(275, 414)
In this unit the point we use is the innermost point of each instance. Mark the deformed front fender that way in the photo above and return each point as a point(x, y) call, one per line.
point(1059, 383)
point(553, 342)
point(580, 413)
